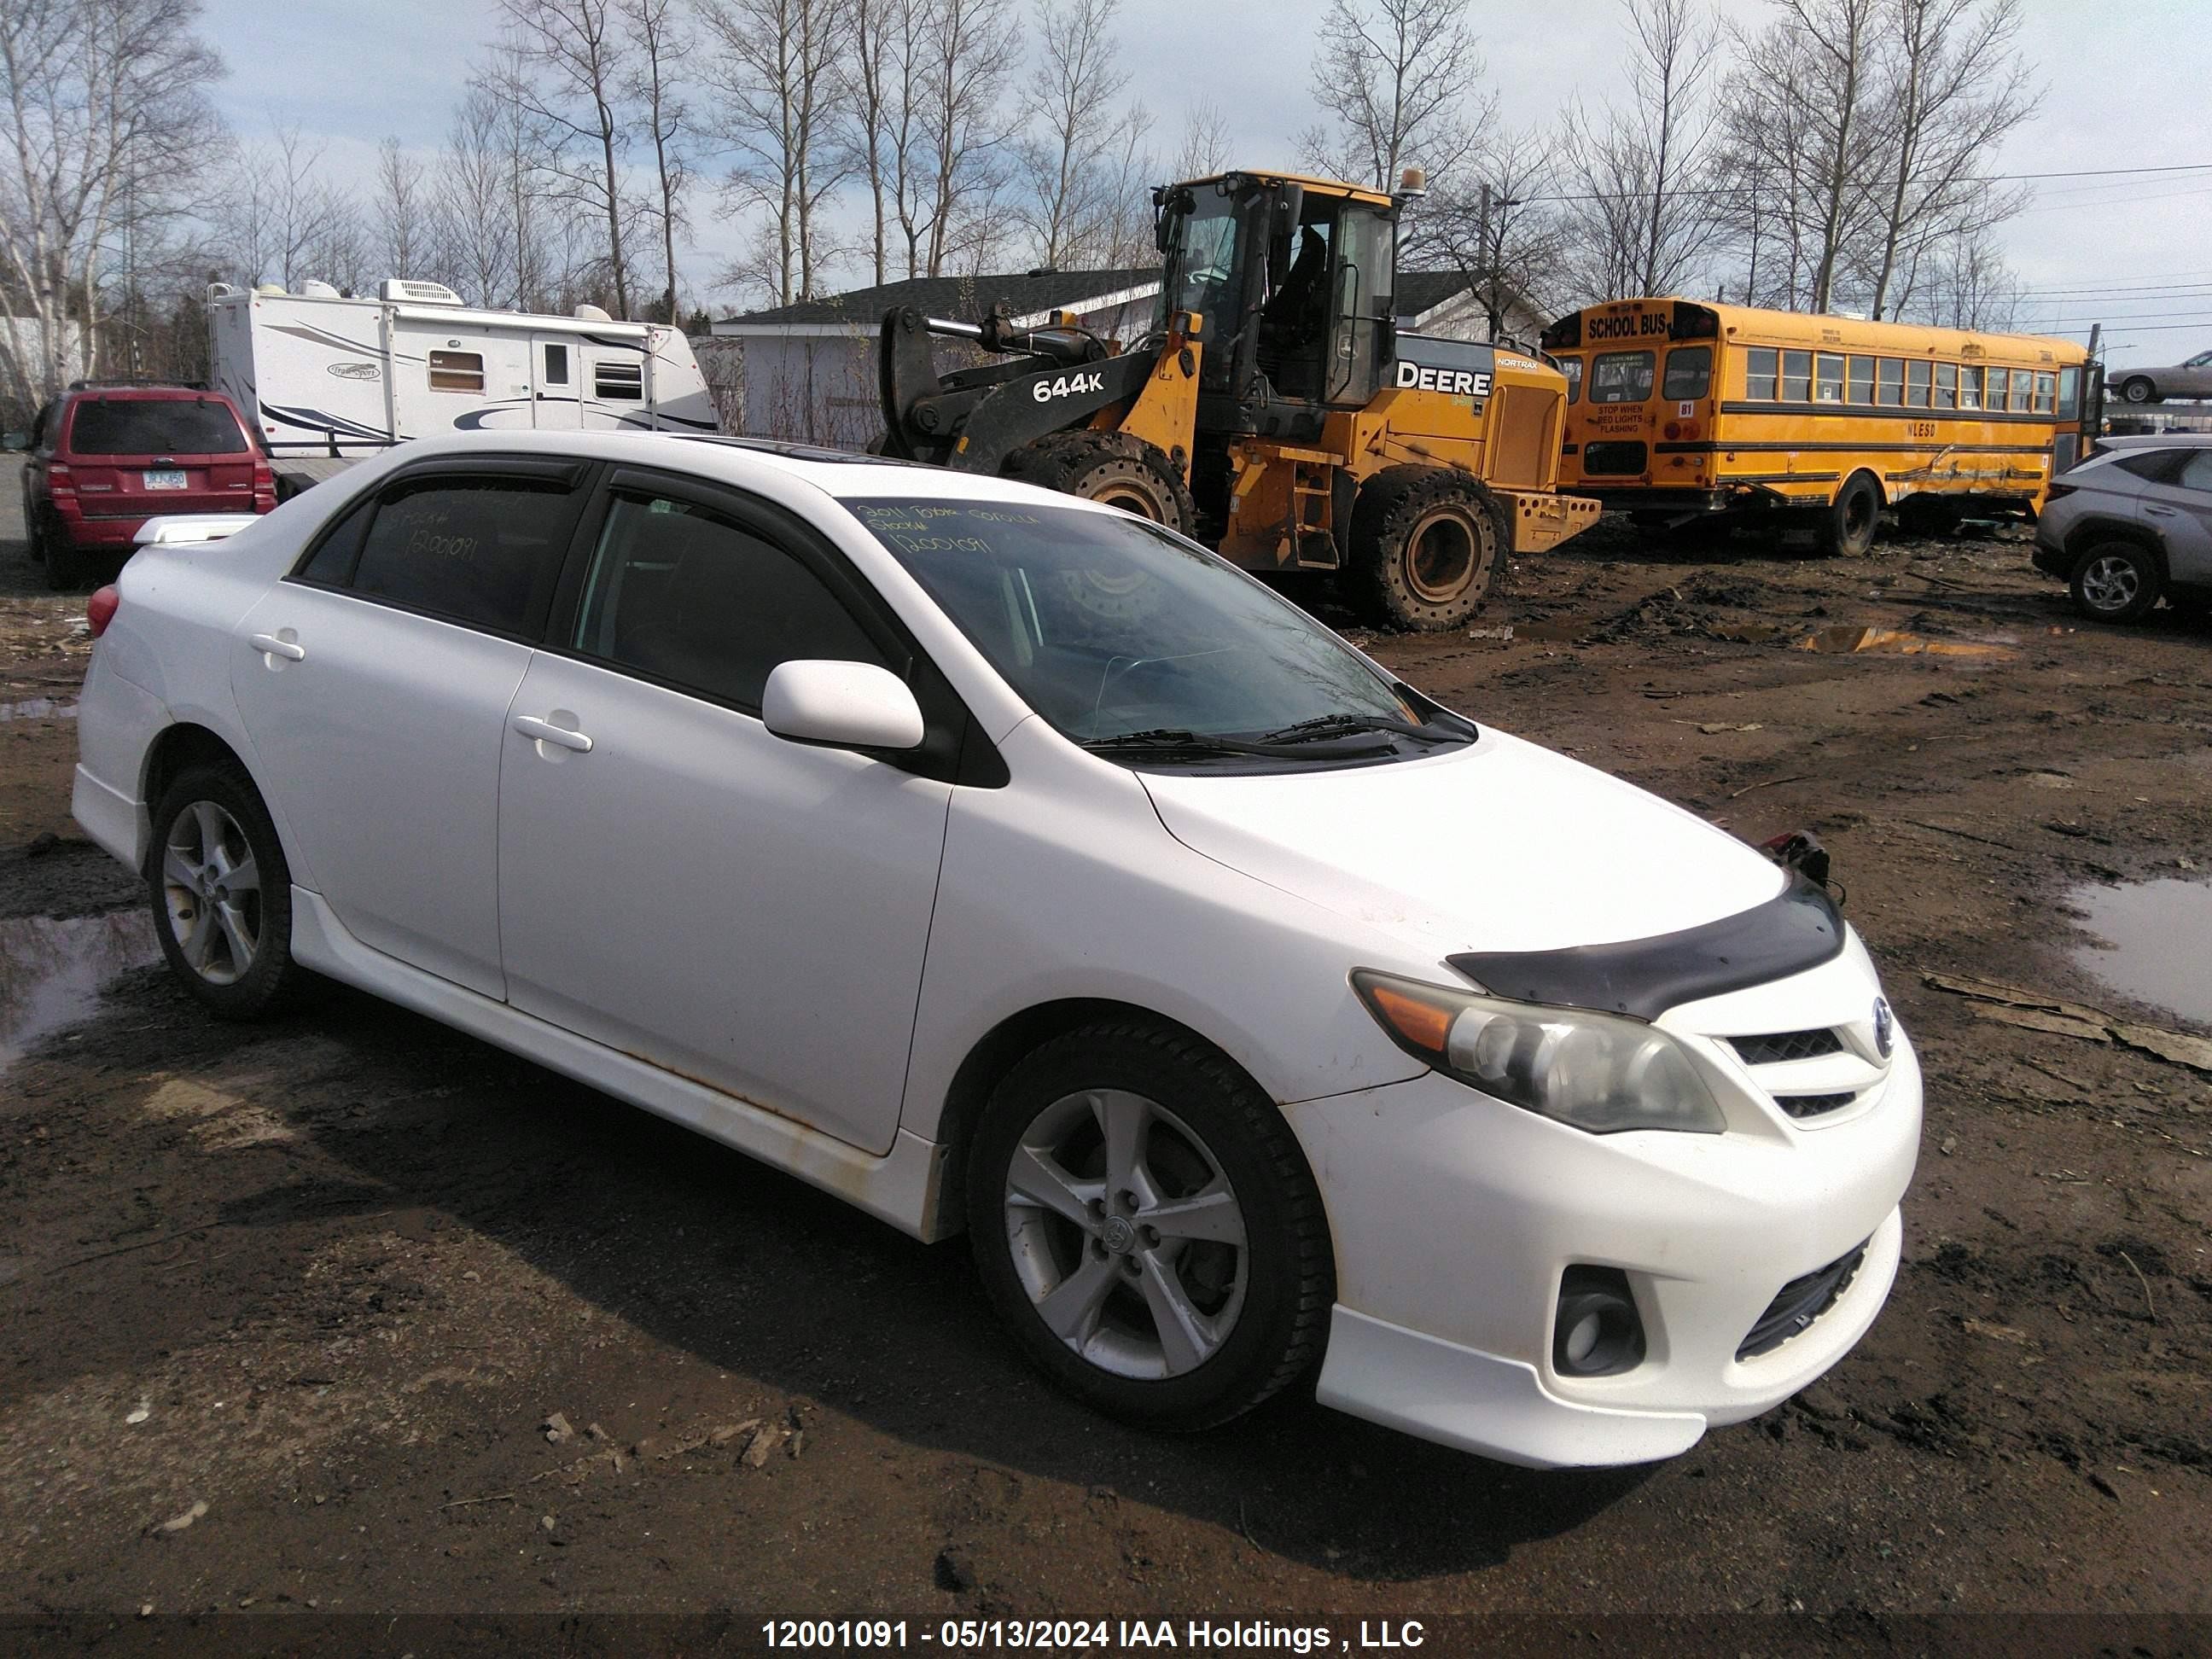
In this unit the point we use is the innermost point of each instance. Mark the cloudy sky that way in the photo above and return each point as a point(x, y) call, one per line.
point(2127, 84)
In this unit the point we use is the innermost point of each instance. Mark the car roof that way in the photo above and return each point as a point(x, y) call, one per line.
point(2157, 440)
point(841, 474)
point(149, 393)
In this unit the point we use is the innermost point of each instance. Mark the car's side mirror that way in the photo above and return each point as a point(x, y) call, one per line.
point(840, 705)
point(15, 441)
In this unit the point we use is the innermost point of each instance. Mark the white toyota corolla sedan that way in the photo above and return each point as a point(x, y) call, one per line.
point(1004, 862)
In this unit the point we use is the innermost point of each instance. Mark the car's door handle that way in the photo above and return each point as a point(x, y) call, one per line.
point(546, 732)
point(2161, 512)
point(270, 646)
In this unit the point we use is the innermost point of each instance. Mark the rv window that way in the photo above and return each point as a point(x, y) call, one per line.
point(457, 371)
point(622, 382)
point(556, 365)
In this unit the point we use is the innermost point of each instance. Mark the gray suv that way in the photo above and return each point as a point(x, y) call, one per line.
point(2132, 524)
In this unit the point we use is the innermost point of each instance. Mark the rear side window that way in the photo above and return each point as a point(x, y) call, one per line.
point(480, 550)
point(682, 595)
point(2159, 466)
point(1689, 373)
point(2196, 471)
point(1621, 377)
point(154, 426)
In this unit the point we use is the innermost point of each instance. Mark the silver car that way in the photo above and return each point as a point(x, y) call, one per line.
point(2132, 524)
point(2149, 386)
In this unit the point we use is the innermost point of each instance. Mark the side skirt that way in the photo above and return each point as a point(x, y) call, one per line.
point(905, 1187)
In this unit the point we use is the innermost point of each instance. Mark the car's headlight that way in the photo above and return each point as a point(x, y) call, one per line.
point(1596, 1072)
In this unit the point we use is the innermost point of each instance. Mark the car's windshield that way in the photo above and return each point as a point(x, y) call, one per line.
point(155, 426)
point(1112, 628)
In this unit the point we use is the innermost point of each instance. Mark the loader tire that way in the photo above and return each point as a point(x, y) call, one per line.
point(1424, 548)
point(1111, 467)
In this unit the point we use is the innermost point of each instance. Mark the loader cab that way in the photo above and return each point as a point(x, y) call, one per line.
point(1294, 277)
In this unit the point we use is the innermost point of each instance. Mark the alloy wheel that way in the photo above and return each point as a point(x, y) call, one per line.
point(211, 887)
point(2110, 583)
point(1125, 1234)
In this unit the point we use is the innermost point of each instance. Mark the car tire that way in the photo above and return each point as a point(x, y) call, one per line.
point(2116, 582)
point(65, 565)
point(1426, 548)
point(1178, 1331)
point(221, 893)
point(2137, 389)
point(1846, 529)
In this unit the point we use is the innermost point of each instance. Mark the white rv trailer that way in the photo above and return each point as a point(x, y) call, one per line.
point(332, 379)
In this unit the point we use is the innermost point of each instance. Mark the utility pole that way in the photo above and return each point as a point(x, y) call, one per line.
point(1494, 205)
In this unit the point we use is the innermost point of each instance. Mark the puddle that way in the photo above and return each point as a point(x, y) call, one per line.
point(37, 709)
point(1896, 641)
point(2161, 937)
point(52, 971)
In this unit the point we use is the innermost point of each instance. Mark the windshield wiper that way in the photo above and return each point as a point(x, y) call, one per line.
point(1176, 739)
point(1342, 726)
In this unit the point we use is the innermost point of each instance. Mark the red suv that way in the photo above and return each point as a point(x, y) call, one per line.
point(104, 458)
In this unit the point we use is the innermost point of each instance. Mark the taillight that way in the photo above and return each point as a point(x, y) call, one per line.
point(265, 486)
point(1674, 430)
point(99, 608)
point(58, 476)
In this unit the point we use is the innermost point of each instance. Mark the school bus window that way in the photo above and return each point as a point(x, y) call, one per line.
point(1947, 386)
point(1889, 381)
point(2022, 399)
point(1970, 387)
point(2000, 380)
point(1621, 377)
point(1759, 372)
point(457, 371)
point(1915, 385)
point(1689, 374)
point(1862, 384)
point(1828, 380)
point(2043, 393)
point(1572, 368)
point(2070, 389)
point(1796, 377)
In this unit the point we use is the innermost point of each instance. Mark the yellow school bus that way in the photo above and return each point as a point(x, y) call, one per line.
point(1678, 410)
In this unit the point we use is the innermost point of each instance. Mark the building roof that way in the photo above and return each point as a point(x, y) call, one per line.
point(965, 299)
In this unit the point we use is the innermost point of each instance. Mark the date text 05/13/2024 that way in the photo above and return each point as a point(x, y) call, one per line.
point(1062, 1635)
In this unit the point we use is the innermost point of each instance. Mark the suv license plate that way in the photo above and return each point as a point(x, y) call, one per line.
point(165, 480)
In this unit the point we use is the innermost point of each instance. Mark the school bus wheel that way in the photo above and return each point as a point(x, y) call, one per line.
point(1424, 546)
point(1847, 528)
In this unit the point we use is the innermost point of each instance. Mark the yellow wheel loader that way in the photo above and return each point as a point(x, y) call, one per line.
point(1275, 412)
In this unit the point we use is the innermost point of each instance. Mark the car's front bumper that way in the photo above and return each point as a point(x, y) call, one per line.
point(1455, 1217)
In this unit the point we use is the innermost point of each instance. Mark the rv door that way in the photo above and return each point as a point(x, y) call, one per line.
point(555, 369)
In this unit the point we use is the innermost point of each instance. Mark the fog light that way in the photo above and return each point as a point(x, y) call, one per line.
point(1596, 1332)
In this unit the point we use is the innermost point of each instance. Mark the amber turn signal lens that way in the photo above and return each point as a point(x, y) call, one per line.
point(1421, 1023)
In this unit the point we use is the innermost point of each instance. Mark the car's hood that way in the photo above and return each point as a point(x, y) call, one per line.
point(1498, 845)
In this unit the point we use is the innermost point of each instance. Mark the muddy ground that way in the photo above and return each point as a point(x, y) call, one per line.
point(286, 1308)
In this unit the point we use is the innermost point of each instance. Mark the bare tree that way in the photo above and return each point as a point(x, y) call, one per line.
point(970, 51)
point(880, 131)
point(105, 114)
point(473, 204)
point(1498, 225)
point(1970, 285)
point(663, 42)
point(1205, 147)
point(1069, 100)
point(1642, 171)
point(771, 69)
point(577, 47)
point(1956, 87)
point(1398, 80)
point(280, 219)
point(406, 220)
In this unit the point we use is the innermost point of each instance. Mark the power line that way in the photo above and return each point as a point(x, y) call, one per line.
point(1734, 191)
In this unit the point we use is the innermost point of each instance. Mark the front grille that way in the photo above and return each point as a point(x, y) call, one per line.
point(1775, 1047)
point(1616, 458)
point(1814, 1105)
point(1800, 1303)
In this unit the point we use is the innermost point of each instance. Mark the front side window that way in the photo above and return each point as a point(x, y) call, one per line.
point(154, 426)
point(1108, 626)
point(457, 371)
point(2069, 394)
point(1761, 373)
point(684, 595)
point(2196, 473)
point(480, 550)
point(1689, 374)
point(1889, 382)
point(1828, 379)
point(618, 382)
point(1796, 377)
point(1621, 377)
point(1915, 385)
point(1862, 380)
